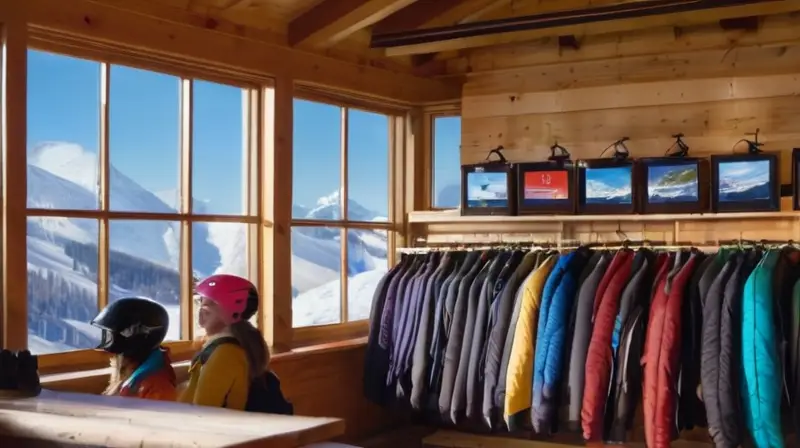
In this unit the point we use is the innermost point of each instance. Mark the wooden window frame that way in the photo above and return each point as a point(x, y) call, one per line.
point(253, 216)
point(346, 329)
point(270, 136)
point(429, 135)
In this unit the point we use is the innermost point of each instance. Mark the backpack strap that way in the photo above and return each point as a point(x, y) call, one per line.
point(203, 355)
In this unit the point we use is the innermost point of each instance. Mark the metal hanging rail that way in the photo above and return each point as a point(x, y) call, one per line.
point(553, 20)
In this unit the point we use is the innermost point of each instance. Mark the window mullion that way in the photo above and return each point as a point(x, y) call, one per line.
point(105, 189)
point(251, 114)
point(343, 207)
point(185, 176)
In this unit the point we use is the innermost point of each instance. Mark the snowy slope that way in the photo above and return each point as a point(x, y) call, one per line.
point(62, 252)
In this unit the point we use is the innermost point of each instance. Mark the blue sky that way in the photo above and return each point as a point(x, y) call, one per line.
point(63, 105)
point(446, 160)
point(745, 170)
point(614, 177)
point(317, 163)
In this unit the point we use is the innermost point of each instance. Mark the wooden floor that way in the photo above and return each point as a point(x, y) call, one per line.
point(428, 437)
point(404, 437)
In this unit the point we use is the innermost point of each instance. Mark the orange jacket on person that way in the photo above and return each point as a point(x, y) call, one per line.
point(154, 379)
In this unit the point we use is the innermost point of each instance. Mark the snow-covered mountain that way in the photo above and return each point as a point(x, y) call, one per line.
point(599, 190)
point(143, 259)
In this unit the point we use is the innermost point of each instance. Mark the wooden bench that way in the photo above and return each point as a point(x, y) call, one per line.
point(67, 419)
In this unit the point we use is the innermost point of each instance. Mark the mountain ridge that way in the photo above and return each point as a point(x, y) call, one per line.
point(62, 252)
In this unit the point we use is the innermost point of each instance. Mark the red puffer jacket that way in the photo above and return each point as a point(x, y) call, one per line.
point(662, 351)
point(599, 359)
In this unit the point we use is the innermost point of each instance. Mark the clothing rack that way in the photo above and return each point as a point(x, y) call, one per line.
point(564, 245)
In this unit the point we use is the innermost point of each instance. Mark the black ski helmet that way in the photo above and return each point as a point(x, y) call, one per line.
point(132, 326)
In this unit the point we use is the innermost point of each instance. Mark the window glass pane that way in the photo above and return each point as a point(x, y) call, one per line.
point(143, 260)
point(62, 284)
point(63, 132)
point(143, 140)
point(367, 166)
point(447, 162)
point(316, 161)
point(316, 284)
point(366, 265)
point(219, 248)
point(218, 149)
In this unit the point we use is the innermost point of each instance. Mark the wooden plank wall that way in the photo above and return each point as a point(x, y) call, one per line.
point(712, 85)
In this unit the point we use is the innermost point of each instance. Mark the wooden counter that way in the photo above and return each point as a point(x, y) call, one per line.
point(66, 418)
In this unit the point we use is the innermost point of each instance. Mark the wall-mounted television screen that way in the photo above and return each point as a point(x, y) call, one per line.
point(673, 185)
point(488, 189)
point(545, 188)
point(745, 182)
point(606, 186)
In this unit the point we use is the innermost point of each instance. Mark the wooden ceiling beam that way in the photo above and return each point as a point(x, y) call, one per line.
point(334, 20)
point(432, 14)
point(604, 27)
point(110, 33)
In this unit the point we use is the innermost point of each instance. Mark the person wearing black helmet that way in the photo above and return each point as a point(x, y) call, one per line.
point(133, 329)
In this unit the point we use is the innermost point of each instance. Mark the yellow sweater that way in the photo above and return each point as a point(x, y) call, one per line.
point(223, 381)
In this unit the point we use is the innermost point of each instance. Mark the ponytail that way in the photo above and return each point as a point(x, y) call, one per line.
point(254, 345)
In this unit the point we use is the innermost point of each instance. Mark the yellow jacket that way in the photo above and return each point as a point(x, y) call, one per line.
point(223, 381)
point(520, 365)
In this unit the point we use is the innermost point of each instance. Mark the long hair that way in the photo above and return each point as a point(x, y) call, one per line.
point(121, 369)
point(251, 340)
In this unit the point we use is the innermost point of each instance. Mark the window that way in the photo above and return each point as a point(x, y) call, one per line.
point(341, 213)
point(446, 162)
point(114, 154)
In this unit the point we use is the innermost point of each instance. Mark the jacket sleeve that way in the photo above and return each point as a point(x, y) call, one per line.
point(218, 375)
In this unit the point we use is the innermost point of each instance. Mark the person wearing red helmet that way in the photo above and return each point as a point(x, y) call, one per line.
point(232, 369)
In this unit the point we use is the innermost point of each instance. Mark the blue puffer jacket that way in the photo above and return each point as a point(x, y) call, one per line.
point(559, 293)
point(761, 376)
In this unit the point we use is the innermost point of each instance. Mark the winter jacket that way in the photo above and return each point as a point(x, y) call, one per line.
point(691, 412)
point(509, 345)
point(458, 403)
point(154, 379)
point(520, 366)
point(376, 360)
point(662, 356)
point(794, 355)
point(499, 314)
point(475, 369)
point(421, 357)
point(716, 378)
point(221, 381)
point(456, 336)
point(500, 333)
point(582, 333)
point(628, 344)
point(549, 354)
point(761, 379)
point(599, 359)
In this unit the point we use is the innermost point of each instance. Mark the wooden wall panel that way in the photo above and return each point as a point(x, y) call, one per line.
point(592, 97)
point(323, 383)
